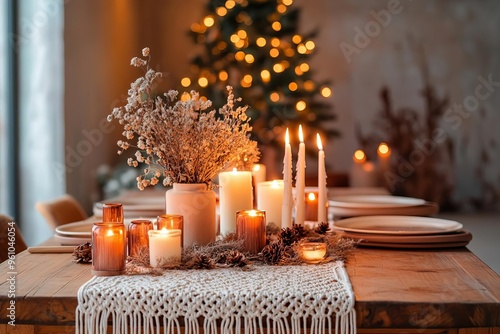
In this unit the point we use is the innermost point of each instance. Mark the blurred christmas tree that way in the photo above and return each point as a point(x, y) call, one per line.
point(254, 46)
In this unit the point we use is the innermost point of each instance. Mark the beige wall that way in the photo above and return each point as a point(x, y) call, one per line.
point(458, 38)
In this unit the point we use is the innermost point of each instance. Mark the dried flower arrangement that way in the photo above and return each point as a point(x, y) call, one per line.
point(182, 141)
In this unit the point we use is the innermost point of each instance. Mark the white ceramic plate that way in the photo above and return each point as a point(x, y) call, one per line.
point(428, 209)
point(374, 201)
point(402, 225)
point(83, 229)
point(71, 241)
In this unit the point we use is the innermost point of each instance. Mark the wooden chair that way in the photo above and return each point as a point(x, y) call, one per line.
point(7, 232)
point(60, 211)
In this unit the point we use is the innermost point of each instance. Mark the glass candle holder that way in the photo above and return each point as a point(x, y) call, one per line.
point(138, 239)
point(312, 252)
point(164, 246)
point(112, 213)
point(312, 206)
point(171, 222)
point(109, 249)
point(251, 227)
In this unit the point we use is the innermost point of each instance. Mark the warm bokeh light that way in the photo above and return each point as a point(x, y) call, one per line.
point(304, 67)
point(298, 71)
point(221, 11)
point(230, 4)
point(278, 68)
point(275, 97)
point(247, 79)
point(234, 38)
point(195, 27)
point(221, 45)
point(276, 26)
point(281, 8)
point(275, 42)
point(287, 2)
point(383, 149)
point(240, 55)
point(242, 34)
point(274, 53)
point(240, 44)
point(326, 91)
point(209, 21)
point(297, 39)
point(265, 75)
point(203, 82)
point(223, 75)
point(249, 58)
point(261, 41)
point(185, 96)
point(310, 45)
point(301, 48)
point(289, 52)
point(301, 105)
point(309, 85)
point(293, 86)
point(359, 156)
point(185, 82)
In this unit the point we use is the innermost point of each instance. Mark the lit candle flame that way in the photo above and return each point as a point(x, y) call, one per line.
point(275, 184)
point(256, 168)
point(320, 144)
point(287, 137)
point(383, 149)
point(359, 156)
point(164, 231)
point(311, 197)
point(235, 170)
point(301, 135)
point(110, 233)
point(252, 213)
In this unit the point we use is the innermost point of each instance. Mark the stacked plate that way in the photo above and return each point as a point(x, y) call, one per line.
point(403, 231)
point(368, 205)
point(77, 233)
point(137, 204)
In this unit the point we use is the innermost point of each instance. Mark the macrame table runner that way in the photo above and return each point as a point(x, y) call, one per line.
point(267, 299)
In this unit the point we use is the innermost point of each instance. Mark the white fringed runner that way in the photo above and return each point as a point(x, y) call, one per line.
point(267, 299)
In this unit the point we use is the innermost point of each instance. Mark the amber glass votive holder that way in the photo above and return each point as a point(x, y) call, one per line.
point(312, 252)
point(171, 222)
point(138, 239)
point(109, 249)
point(251, 227)
point(112, 213)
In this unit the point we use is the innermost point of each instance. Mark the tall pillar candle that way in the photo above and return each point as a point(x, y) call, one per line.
point(286, 213)
point(270, 200)
point(300, 182)
point(109, 249)
point(235, 194)
point(322, 191)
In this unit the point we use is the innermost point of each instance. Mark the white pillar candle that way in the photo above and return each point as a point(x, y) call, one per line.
point(322, 192)
point(164, 245)
point(270, 200)
point(286, 213)
point(235, 194)
point(258, 176)
point(300, 182)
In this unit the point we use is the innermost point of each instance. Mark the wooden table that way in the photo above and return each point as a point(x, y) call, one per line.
point(397, 291)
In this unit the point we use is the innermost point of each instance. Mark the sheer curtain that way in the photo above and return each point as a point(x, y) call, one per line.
point(41, 132)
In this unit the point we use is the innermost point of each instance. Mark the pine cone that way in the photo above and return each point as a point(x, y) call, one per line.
point(322, 228)
point(289, 236)
point(273, 252)
point(300, 231)
point(83, 253)
point(236, 259)
point(202, 261)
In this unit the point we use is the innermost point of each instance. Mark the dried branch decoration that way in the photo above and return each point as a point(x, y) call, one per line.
point(181, 140)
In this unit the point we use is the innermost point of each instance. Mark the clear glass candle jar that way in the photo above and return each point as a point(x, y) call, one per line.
point(112, 213)
point(312, 252)
point(138, 239)
point(109, 249)
point(171, 222)
point(251, 227)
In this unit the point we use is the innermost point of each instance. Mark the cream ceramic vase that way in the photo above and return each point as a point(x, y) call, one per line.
point(197, 205)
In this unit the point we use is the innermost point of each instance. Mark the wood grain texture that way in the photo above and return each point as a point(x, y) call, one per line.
point(395, 289)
